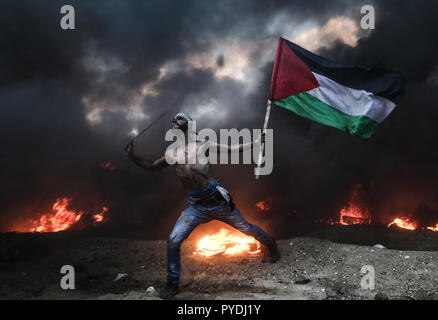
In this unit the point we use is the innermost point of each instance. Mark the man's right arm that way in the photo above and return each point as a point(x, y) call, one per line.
point(149, 165)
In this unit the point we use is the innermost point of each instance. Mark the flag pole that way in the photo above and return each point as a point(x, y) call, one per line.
point(262, 147)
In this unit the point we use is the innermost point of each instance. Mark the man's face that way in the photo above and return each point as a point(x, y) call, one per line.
point(179, 123)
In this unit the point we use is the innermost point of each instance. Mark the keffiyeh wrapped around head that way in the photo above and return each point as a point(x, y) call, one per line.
point(183, 115)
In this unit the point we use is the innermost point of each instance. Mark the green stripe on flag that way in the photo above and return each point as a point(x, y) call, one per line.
point(307, 106)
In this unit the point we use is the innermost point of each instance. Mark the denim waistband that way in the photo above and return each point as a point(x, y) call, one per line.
point(197, 193)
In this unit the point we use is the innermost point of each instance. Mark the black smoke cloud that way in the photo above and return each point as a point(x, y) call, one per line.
point(51, 78)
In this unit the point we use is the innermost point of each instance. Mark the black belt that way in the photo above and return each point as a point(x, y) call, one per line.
point(212, 198)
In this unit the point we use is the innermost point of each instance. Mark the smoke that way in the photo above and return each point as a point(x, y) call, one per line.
point(71, 100)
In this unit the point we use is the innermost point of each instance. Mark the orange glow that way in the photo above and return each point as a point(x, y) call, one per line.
point(433, 228)
point(100, 216)
point(224, 242)
point(354, 213)
point(403, 223)
point(60, 219)
point(263, 206)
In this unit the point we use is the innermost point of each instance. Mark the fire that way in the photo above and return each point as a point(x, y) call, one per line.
point(100, 216)
point(403, 223)
point(354, 213)
point(407, 223)
point(224, 242)
point(263, 206)
point(60, 219)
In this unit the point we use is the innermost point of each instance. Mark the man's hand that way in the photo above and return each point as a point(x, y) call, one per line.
point(261, 138)
point(129, 149)
point(144, 163)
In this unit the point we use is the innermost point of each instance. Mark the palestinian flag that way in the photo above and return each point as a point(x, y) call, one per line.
point(348, 97)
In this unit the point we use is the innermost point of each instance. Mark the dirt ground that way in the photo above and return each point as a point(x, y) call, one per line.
point(310, 268)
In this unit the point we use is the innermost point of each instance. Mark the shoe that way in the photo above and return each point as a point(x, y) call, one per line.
point(169, 291)
point(272, 255)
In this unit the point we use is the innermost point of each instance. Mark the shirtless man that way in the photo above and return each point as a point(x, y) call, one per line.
point(208, 201)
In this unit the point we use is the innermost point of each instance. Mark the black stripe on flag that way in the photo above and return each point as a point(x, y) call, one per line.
point(380, 82)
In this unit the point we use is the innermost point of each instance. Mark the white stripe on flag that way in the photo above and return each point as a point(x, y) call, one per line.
point(351, 101)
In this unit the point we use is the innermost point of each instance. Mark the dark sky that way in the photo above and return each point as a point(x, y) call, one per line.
point(70, 99)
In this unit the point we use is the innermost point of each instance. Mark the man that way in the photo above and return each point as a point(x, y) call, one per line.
point(208, 200)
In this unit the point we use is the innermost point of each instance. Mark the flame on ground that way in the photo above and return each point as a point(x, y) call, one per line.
point(100, 216)
point(403, 223)
point(354, 213)
point(224, 242)
point(406, 223)
point(62, 218)
point(263, 206)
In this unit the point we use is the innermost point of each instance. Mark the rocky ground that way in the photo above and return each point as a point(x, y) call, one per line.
point(310, 268)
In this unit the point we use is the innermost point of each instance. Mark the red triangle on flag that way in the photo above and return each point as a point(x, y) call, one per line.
point(290, 75)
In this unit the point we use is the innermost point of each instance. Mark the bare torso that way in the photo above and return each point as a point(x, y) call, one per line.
point(193, 175)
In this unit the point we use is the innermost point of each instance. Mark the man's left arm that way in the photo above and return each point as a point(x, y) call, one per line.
point(218, 147)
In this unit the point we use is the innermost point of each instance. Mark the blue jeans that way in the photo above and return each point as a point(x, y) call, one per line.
point(195, 214)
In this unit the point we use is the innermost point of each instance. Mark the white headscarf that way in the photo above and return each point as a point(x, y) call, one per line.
point(188, 118)
point(184, 115)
